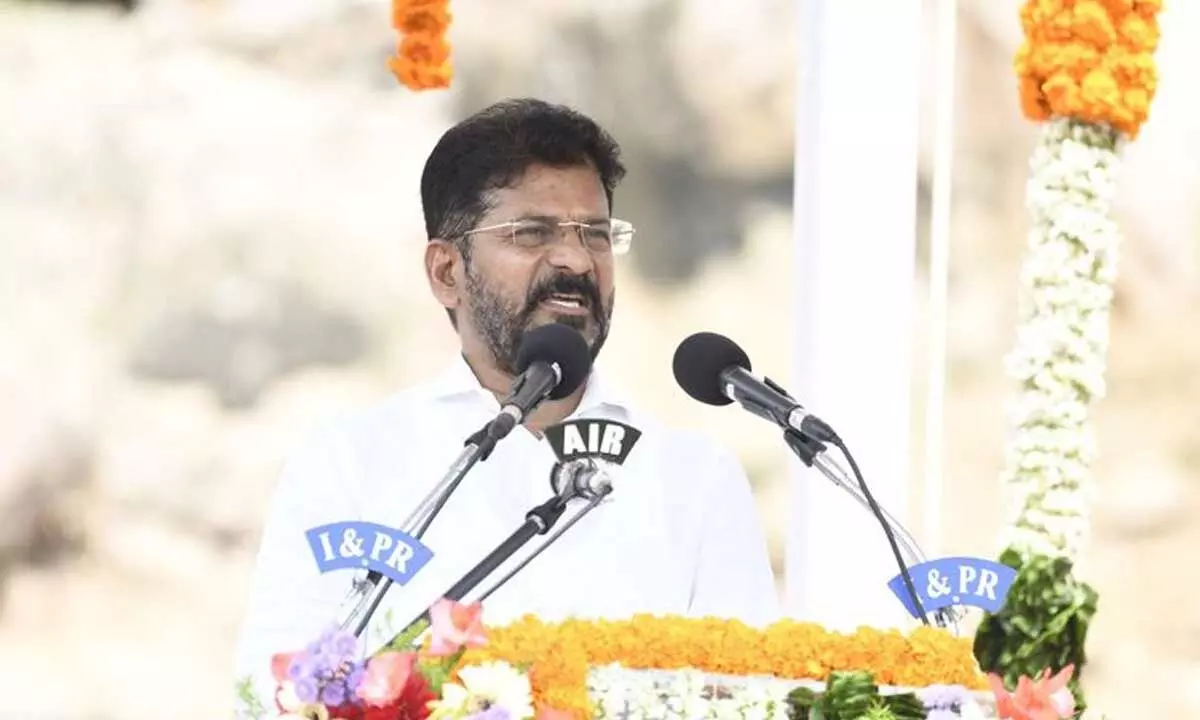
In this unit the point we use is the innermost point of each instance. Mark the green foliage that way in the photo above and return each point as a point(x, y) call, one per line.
point(406, 640)
point(1043, 624)
point(853, 696)
point(437, 673)
point(251, 708)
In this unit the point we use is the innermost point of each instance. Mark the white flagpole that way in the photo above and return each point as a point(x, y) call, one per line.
point(855, 243)
point(939, 275)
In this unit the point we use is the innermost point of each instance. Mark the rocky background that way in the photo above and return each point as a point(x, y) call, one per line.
point(210, 238)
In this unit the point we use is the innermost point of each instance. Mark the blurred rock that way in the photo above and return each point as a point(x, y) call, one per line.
point(244, 338)
point(44, 467)
point(1154, 500)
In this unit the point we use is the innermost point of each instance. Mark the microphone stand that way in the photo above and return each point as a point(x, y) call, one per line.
point(812, 453)
point(366, 594)
point(538, 522)
point(600, 497)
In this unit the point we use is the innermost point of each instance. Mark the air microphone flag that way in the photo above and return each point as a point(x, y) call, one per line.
point(588, 438)
point(961, 581)
point(355, 545)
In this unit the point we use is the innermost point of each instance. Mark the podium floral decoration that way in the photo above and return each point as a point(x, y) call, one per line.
point(1086, 72)
point(422, 60)
point(644, 666)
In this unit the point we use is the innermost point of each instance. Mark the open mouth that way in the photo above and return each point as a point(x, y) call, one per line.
point(566, 303)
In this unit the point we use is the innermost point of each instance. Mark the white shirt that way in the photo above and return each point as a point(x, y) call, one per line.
point(679, 534)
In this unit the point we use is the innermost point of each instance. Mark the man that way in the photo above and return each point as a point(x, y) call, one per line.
point(517, 202)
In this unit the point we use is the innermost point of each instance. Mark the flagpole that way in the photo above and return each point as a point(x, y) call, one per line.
point(855, 246)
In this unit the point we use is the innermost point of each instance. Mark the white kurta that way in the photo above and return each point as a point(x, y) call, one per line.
point(680, 534)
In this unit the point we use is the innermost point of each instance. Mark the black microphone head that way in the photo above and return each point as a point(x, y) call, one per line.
point(557, 343)
point(698, 363)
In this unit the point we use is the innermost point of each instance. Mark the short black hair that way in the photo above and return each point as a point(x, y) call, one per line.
point(494, 147)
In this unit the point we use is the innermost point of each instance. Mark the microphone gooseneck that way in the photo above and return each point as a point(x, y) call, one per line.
point(812, 454)
point(553, 362)
point(713, 369)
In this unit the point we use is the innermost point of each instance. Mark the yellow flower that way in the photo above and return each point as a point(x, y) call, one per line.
point(493, 684)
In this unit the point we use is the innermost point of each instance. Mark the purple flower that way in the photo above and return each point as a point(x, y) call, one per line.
point(345, 645)
point(355, 677)
point(495, 712)
point(948, 698)
point(307, 690)
point(334, 694)
point(303, 667)
point(939, 714)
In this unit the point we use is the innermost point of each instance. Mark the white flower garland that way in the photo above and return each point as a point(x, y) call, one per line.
point(1059, 360)
point(618, 693)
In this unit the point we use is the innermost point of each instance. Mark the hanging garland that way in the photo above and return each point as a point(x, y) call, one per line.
point(1087, 73)
point(422, 60)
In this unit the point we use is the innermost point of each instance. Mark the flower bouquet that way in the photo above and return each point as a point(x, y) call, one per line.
point(327, 680)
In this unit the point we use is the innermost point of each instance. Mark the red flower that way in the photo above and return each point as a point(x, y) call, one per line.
point(413, 704)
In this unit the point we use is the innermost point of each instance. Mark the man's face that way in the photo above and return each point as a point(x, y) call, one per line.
point(511, 287)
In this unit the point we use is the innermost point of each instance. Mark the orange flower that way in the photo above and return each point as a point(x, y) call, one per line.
point(1092, 60)
point(429, 19)
point(1045, 699)
point(453, 626)
point(422, 59)
point(560, 655)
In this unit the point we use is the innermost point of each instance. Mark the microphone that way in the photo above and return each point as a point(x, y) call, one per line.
point(714, 370)
point(553, 361)
point(580, 478)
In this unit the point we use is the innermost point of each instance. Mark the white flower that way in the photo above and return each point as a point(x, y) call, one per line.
point(971, 710)
point(1059, 358)
point(484, 686)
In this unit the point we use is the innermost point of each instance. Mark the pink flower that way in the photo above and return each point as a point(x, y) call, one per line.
point(1047, 698)
point(280, 662)
point(387, 675)
point(455, 625)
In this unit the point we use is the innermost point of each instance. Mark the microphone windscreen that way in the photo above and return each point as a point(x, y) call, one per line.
point(699, 361)
point(557, 343)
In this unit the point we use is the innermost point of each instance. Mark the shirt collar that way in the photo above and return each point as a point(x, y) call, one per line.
point(458, 381)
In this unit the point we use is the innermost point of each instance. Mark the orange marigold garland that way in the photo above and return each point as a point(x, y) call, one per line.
point(422, 60)
point(1092, 60)
point(560, 655)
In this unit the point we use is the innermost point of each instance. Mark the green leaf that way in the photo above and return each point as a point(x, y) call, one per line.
point(438, 672)
point(905, 706)
point(1043, 624)
point(252, 707)
point(406, 640)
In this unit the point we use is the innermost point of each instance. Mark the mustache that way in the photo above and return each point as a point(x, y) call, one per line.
point(580, 285)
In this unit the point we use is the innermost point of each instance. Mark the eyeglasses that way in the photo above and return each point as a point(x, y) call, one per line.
point(609, 236)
